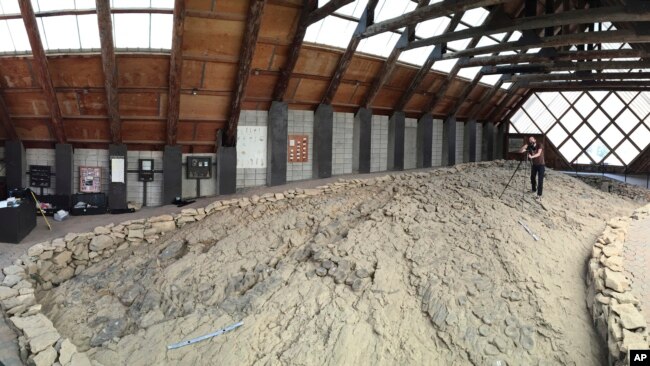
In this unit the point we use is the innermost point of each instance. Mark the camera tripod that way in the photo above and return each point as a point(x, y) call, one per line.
point(515, 173)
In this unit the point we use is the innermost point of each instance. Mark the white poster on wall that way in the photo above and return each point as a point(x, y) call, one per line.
point(251, 147)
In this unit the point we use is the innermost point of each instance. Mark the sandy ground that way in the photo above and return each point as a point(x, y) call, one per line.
point(430, 268)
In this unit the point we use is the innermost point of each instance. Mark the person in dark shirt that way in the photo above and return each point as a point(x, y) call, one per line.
point(535, 153)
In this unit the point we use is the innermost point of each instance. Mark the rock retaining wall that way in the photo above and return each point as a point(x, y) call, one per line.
point(615, 311)
point(51, 263)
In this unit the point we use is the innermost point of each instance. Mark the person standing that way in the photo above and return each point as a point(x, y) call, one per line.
point(535, 152)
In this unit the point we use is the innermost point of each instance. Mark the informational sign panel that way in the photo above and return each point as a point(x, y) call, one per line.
point(39, 176)
point(298, 151)
point(251, 147)
point(90, 179)
point(145, 171)
point(117, 169)
point(199, 167)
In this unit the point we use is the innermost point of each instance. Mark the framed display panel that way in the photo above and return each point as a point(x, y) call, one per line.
point(39, 176)
point(298, 148)
point(199, 167)
point(145, 171)
point(90, 179)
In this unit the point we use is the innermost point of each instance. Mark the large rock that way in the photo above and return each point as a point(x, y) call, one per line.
point(21, 300)
point(45, 358)
point(67, 351)
point(43, 340)
point(101, 242)
point(161, 218)
point(13, 270)
point(631, 318)
point(11, 280)
point(7, 292)
point(616, 280)
point(136, 234)
point(35, 250)
point(62, 258)
point(173, 250)
point(102, 230)
point(633, 340)
point(189, 212)
point(33, 325)
point(80, 359)
point(164, 226)
point(114, 328)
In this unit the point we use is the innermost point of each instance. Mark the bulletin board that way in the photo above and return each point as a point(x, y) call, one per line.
point(251, 147)
point(298, 151)
point(90, 179)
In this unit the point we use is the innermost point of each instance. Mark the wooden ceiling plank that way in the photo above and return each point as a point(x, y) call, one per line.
point(251, 33)
point(42, 67)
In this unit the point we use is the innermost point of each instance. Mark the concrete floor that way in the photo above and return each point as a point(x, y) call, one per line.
point(637, 180)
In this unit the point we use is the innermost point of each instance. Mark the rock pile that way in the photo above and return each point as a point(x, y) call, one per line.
point(390, 270)
point(616, 313)
point(616, 187)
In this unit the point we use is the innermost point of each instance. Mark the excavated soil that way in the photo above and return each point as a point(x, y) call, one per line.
point(427, 268)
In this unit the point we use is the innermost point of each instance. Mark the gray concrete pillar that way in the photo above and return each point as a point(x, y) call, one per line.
point(470, 141)
point(396, 125)
point(322, 149)
point(424, 143)
point(488, 141)
point(276, 148)
point(64, 169)
point(172, 173)
point(117, 190)
point(226, 167)
point(361, 143)
point(449, 141)
point(500, 141)
point(15, 165)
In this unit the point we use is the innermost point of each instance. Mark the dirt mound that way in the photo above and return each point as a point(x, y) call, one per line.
point(622, 189)
point(419, 268)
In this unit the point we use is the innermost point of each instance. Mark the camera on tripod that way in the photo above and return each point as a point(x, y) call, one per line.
point(531, 148)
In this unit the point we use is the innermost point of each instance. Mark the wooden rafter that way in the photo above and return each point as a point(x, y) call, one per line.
point(294, 50)
point(436, 54)
point(327, 9)
point(580, 76)
point(109, 66)
point(389, 65)
point(559, 56)
point(243, 72)
point(617, 36)
point(436, 10)
point(565, 66)
point(175, 71)
point(466, 92)
point(581, 16)
point(366, 20)
point(5, 119)
point(589, 85)
point(485, 99)
point(42, 68)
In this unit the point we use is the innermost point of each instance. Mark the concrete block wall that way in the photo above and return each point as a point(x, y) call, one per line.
point(460, 137)
point(379, 144)
point(301, 123)
point(342, 140)
point(436, 151)
point(208, 186)
point(479, 141)
point(41, 157)
point(248, 176)
point(90, 158)
point(410, 143)
point(135, 188)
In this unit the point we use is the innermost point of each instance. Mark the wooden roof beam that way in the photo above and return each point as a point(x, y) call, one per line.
point(42, 69)
point(559, 56)
point(175, 71)
point(251, 33)
point(366, 20)
point(5, 119)
point(389, 65)
point(618, 36)
point(109, 67)
point(436, 54)
point(327, 9)
point(444, 8)
point(580, 76)
point(612, 14)
point(565, 66)
point(589, 85)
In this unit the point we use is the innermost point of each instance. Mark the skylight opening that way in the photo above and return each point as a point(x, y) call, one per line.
point(381, 44)
point(417, 56)
point(475, 17)
point(354, 9)
point(331, 31)
point(432, 27)
point(387, 9)
point(9, 7)
point(445, 65)
point(13, 36)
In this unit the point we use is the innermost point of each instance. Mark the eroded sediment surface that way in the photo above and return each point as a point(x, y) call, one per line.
point(423, 268)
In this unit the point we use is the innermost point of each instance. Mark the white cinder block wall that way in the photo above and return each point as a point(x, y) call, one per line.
point(251, 148)
point(301, 123)
point(479, 141)
point(41, 157)
point(410, 142)
point(460, 137)
point(343, 126)
point(436, 151)
point(208, 186)
point(134, 187)
point(379, 144)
